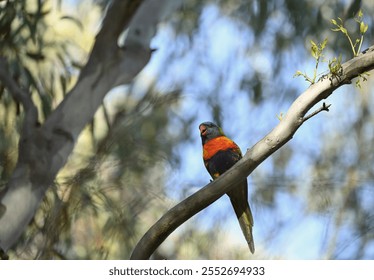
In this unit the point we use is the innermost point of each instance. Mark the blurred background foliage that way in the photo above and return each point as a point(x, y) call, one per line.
point(227, 61)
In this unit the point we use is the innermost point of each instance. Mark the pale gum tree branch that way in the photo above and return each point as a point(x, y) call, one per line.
point(45, 150)
point(254, 156)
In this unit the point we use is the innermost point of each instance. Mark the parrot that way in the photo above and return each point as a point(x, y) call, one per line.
point(220, 153)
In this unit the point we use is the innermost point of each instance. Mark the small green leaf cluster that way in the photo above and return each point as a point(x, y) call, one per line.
point(339, 27)
point(335, 65)
point(316, 51)
point(364, 77)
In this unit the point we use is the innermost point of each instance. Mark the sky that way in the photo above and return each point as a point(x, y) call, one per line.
point(219, 49)
point(223, 39)
point(213, 65)
point(223, 43)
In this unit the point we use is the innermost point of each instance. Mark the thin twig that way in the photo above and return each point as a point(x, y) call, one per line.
point(20, 95)
point(323, 108)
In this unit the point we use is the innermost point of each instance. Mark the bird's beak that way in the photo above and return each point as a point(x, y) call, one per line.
point(202, 129)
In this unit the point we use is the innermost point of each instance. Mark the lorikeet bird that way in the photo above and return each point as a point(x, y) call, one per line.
point(220, 153)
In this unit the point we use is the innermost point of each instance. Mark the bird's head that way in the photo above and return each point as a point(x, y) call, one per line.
point(209, 130)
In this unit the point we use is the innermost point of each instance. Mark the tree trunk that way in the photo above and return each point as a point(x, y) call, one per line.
point(44, 150)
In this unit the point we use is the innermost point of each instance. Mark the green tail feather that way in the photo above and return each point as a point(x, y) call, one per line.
point(246, 224)
point(238, 197)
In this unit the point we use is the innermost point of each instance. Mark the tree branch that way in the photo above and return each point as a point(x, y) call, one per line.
point(47, 149)
point(324, 107)
point(19, 95)
point(280, 135)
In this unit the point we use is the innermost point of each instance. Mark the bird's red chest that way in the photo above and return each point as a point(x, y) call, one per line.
point(214, 145)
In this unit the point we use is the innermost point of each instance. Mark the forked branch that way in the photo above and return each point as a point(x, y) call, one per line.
point(324, 107)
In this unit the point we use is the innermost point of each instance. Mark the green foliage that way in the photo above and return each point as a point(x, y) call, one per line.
point(334, 65)
point(362, 77)
point(357, 43)
point(280, 116)
point(316, 51)
point(118, 181)
point(39, 60)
